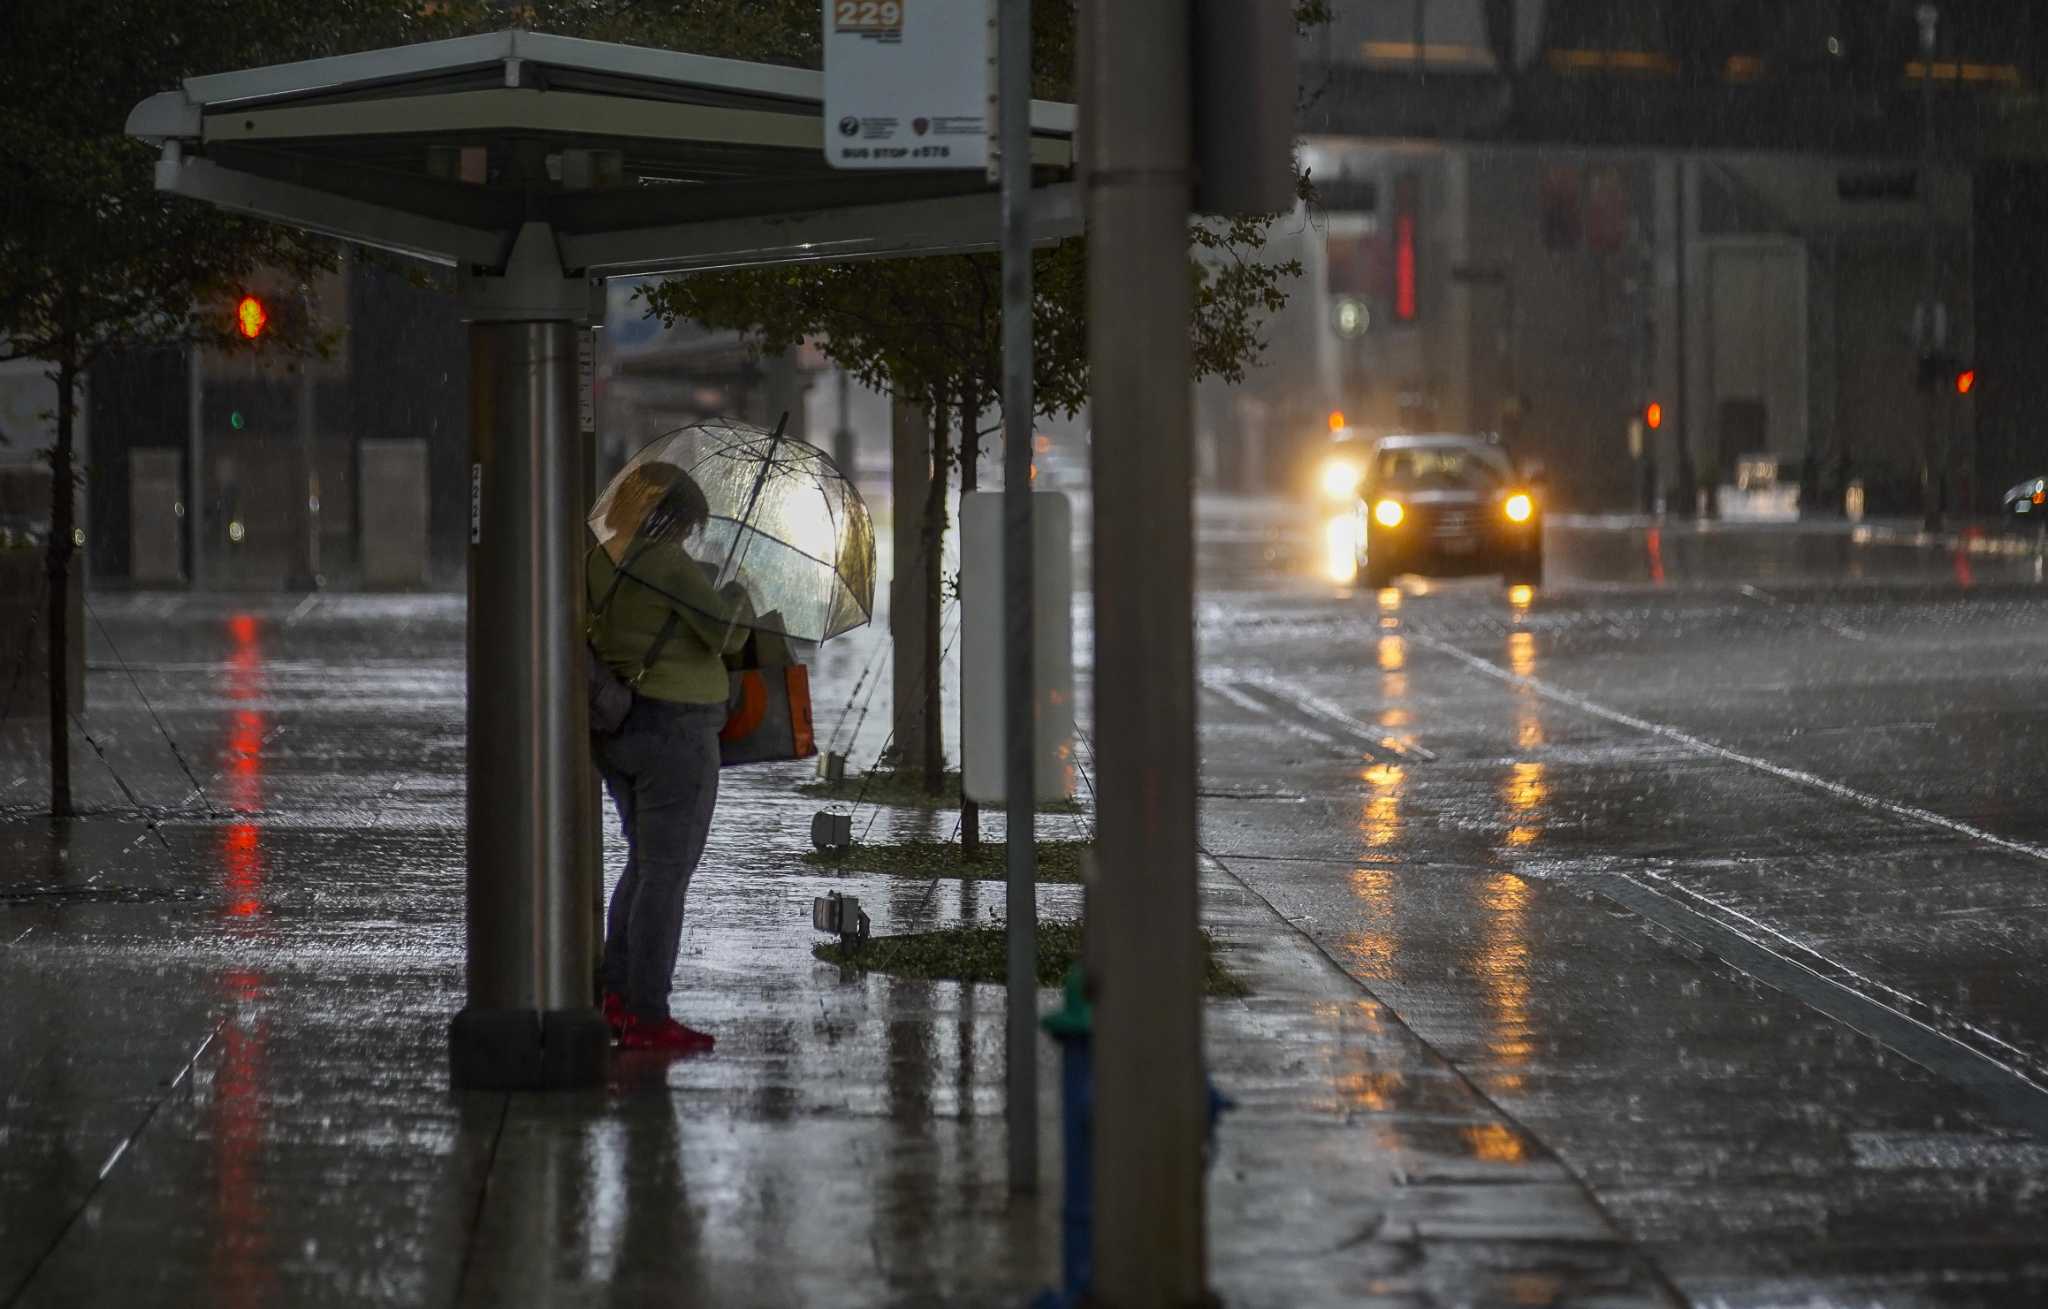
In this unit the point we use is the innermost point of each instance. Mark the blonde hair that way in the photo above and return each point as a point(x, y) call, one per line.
point(650, 488)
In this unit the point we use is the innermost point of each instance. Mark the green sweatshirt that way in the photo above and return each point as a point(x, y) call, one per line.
point(688, 671)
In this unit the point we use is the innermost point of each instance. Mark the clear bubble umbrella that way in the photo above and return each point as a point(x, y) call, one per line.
point(723, 507)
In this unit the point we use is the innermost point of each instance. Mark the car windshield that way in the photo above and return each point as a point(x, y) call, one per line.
point(1441, 468)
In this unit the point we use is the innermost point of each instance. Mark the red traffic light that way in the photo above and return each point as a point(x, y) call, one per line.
point(1653, 415)
point(1966, 381)
point(251, 318)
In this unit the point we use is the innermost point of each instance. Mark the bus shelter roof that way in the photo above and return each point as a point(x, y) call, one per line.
point(639, 160)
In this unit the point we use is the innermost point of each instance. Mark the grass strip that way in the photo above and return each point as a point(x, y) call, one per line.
point(980, 954)
point(904, 789)
point(1058, 861)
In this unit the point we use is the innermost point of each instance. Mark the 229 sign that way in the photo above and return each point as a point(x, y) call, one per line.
point(868, 17)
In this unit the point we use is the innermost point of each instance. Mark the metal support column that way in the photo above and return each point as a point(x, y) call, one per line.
point(1020, 767)
point(1150, 1098)
point(530, 1021)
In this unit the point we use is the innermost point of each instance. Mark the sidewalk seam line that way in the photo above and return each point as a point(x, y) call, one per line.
point(120, 1152)
point(483, 1195)
point(1621, 1235)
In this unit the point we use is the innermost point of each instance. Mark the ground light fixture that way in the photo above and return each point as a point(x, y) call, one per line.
point(1388, 513)
point(1518, 507)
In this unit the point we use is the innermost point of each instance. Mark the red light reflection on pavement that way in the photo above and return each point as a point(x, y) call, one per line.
point(1654, 540)
point(241, 846)
point(243, 1273)
point(1966, 576)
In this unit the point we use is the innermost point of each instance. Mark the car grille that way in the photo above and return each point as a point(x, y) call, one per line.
point(1450, 524)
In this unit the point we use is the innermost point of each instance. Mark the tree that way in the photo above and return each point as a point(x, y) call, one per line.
point(930, 330)
point(91, 257)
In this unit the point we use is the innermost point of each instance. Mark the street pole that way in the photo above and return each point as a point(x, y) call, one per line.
point(530, 1021)
point(1013, 124)
point(1681, 427)
point(1926, 320)
point(1151, 1103)
point(196, 515)
point(308, 507)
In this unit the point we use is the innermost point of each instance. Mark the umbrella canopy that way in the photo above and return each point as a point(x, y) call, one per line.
point(722, 505)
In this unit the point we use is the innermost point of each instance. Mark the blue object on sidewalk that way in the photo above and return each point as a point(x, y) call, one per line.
point(1073, 1026)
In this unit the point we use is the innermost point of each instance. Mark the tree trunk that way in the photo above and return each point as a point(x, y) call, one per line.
point(970, 480)
point(909, 446)
point(933, 754)
point(59, 551)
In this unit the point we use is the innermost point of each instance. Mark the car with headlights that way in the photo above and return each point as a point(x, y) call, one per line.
point(1447, 505)
point(2026, 505)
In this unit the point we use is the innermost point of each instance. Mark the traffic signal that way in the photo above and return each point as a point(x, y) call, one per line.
point(252, 317)
point(1966, 381)
point(1653, 415)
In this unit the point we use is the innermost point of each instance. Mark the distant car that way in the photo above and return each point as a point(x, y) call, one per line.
point(1447, 506)
point(2026, 505)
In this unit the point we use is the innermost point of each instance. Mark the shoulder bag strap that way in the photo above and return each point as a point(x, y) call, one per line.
point(661, 638)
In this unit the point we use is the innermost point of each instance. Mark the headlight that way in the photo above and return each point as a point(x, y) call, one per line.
point(1340, 479)
point(1518, 507)
point(1388, 513)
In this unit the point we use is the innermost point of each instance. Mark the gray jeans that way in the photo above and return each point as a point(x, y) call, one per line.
point(662, 771)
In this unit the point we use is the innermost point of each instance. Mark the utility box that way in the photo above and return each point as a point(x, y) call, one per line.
point(983, 639)
point(393, 486)
point(156, 515)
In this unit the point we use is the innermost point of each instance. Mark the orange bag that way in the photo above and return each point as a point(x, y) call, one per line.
point(768, 716)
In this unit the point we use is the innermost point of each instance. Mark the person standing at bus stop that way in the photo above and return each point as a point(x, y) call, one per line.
point(658, 623)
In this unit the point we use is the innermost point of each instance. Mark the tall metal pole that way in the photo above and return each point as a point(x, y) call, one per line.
point(196, 512)
point(531, 1019)
point(1150, 1100)
point(308, 506)
point(1930, 290)
point(1013, 53)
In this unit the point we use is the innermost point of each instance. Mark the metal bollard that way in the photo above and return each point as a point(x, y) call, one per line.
point(1073, 1026)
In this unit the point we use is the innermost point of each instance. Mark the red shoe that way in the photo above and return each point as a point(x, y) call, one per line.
point(666, 1035)
point(614, 1007)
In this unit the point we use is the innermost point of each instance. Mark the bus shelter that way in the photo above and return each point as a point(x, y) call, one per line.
point(536, 167)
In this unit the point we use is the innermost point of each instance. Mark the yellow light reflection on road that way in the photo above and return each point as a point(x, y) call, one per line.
point(1390, 599)
point(1340, 552)
point(1393, 654)
point(1370, 950)
point(1521, 595)
point(1503, 966)
point(1496, 1143)
point(1382, 818)
point(1522, 654)
point(1524, 792)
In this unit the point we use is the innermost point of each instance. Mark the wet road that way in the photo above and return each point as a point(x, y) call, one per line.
point(1720, 865)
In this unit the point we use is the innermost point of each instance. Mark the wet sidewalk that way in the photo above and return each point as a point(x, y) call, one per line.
point(223, 1046)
